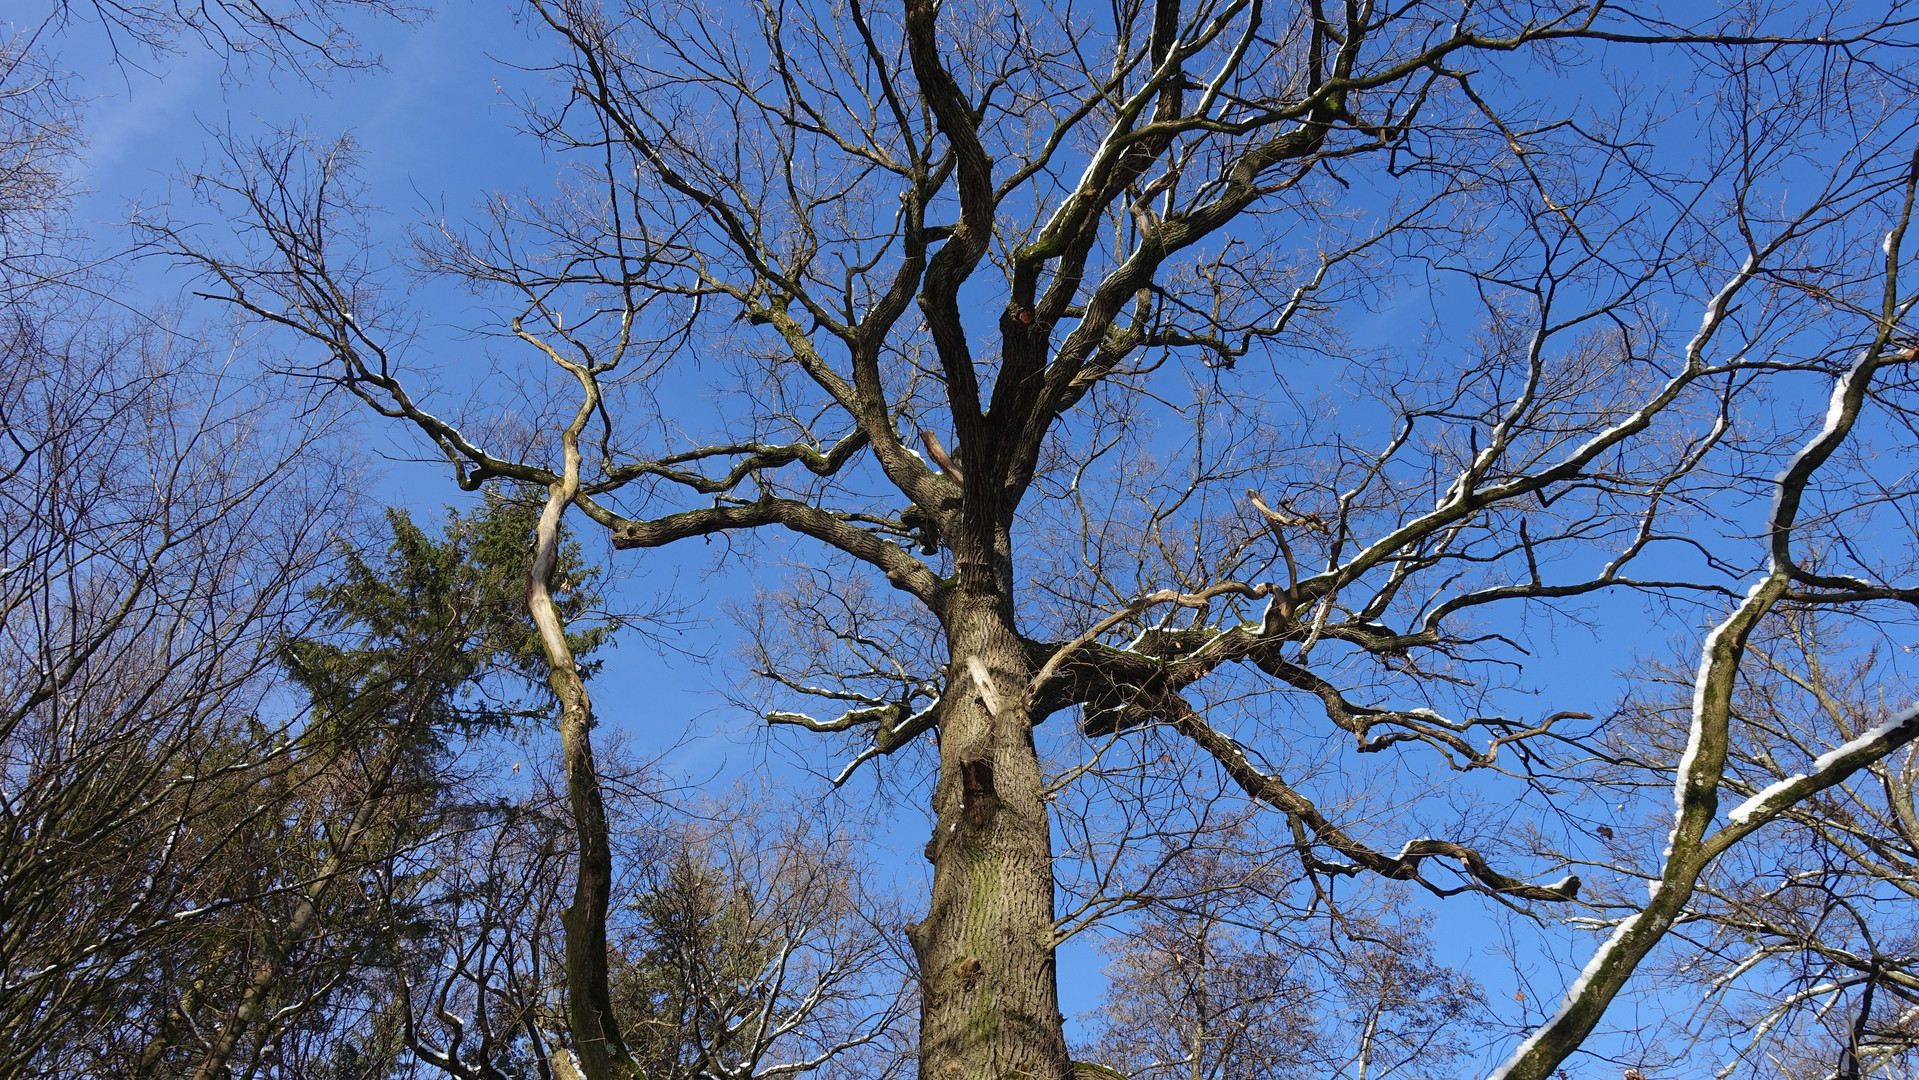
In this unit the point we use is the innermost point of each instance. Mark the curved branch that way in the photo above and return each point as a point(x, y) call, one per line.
point(905, 572)
point(1405, 866)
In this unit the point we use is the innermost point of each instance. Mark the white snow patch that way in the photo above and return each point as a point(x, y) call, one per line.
point(1699, 700)
point(1573, 993)
point(1407, 847)
point(1698, 707)
point(1839, 757)
point(1753, 805)
point(1268, 623)
point(1835, 409)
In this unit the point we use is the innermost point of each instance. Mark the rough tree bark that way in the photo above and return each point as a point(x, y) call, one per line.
point(990, 996)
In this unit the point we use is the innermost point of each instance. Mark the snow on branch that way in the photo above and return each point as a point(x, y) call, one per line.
point(1831, 768)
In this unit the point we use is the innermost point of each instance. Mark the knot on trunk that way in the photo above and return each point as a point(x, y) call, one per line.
point(979, 801)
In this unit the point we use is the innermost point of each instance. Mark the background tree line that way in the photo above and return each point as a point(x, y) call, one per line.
point(1057, 333)
point(254, 817)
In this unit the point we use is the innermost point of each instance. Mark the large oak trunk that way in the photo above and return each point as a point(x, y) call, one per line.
point(990, 997)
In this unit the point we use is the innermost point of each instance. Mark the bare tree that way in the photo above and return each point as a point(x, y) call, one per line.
point(1799, 950)
point(150, 575)
point(1102, 255)
point(747, 945)
point(762, 947)
point(478, 994)
point(303, 39)
point(1224, 977)
point(37, 141)
point(158, 525)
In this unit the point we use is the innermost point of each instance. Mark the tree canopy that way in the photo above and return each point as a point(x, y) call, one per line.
point(1204, 431)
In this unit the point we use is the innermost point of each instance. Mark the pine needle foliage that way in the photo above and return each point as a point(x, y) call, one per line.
point(433, 634)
